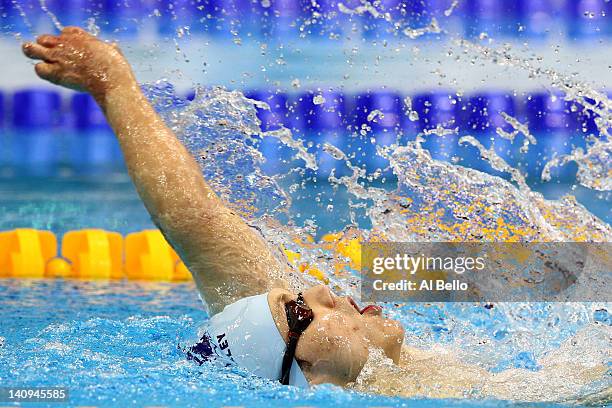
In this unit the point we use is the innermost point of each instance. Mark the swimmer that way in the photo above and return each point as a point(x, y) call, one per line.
point(300, 339)
point(234, 270)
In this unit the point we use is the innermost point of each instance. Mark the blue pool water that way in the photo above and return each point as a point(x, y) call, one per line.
point(110, 202)
point(118, 344)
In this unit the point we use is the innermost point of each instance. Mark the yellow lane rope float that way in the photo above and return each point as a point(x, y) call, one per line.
point(89, 254)
point(144, 255)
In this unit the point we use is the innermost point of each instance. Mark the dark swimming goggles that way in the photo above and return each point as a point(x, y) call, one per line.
point(299, 316)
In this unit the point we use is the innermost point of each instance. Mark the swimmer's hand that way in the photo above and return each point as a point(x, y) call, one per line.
point(77, 60)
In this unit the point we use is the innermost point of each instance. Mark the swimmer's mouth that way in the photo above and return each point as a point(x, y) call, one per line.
point(369, 309)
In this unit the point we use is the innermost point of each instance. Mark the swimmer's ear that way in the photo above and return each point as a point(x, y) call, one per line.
point(307, 370)
point(303, 364)
point(315, 376)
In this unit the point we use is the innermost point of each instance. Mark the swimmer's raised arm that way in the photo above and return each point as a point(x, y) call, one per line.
point(228, 259)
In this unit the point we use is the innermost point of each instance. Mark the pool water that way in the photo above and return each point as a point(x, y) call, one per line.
point(70, 203)
point(118, 344)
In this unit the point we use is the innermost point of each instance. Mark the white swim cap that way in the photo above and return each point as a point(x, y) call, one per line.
point(245, 332)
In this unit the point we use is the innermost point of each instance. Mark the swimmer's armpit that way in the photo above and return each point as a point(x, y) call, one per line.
point(227, 258)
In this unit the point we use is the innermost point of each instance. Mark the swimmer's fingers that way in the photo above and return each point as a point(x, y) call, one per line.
point(48, 41)
point(57, 74)
point(37, 51)
point(47, 71)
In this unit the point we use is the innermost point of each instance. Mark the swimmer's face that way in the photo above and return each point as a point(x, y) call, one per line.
point(335, 346)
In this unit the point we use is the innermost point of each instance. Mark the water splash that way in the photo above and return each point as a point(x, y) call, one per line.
point(440, 373)
point(24, 17)
point(432, 28)
point(221, 129)
point(366, 7)
point(595, 168)
point(369, 8)
point(519, 128)
point(53, 17)
point(452, 8)
point(432, 201)
point(412, 114)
